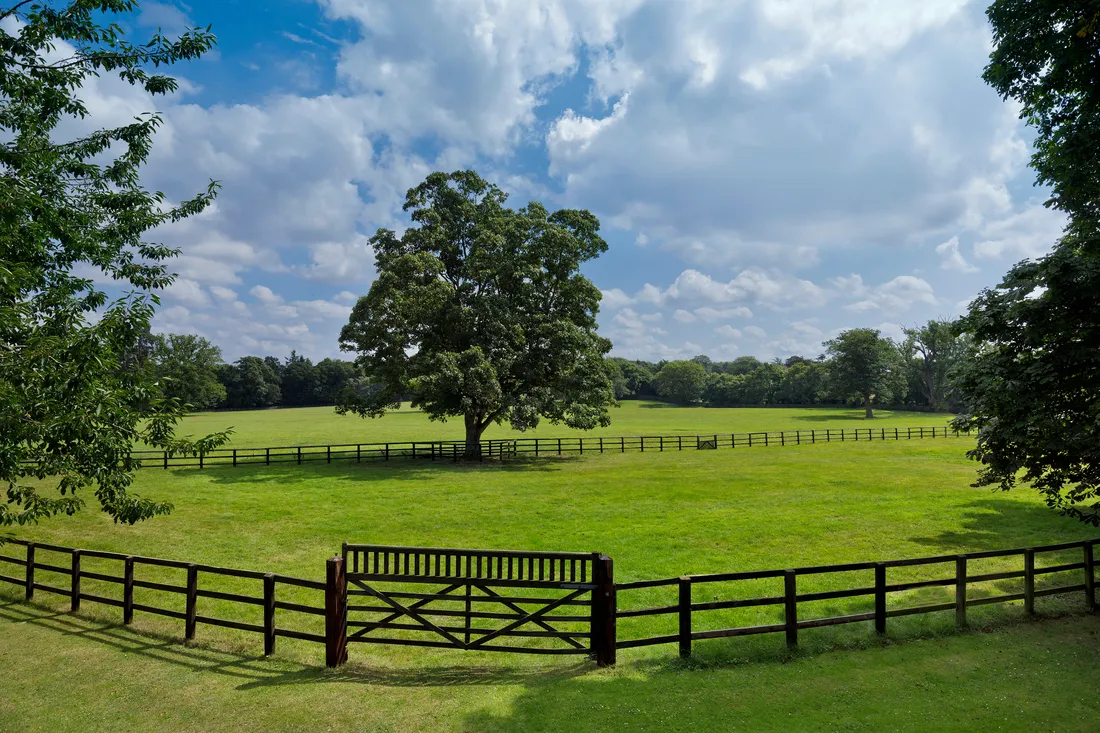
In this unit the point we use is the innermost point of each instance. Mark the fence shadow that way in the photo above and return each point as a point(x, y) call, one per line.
point(255, 671)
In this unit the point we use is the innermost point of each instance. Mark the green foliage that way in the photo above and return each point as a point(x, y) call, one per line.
point(74, 395)
point(480, 312)
point(863, 363)
point(1046, 56)
point(1033, 386)
point(682, 381)
point(298, 381)
point(186, 366)
point(934, 353)
point(631, 378)
point(251, 382)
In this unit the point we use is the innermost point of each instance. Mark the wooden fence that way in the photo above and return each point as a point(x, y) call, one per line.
point(452, 450)
point(571, 580)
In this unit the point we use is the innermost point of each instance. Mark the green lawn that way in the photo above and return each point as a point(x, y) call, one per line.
point(322, 426)
point(659, 515)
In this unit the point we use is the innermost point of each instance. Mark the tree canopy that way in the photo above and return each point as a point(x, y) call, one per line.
point(682, 381)
point(862, 363)
point(73, 400)
point(186, 366)
point(480, 311)
point(1033, 386)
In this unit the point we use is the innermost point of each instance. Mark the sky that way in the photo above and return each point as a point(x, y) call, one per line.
point(767, 172)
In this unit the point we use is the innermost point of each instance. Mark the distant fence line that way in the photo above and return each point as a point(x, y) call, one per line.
point(453, 450)
point(572, 598)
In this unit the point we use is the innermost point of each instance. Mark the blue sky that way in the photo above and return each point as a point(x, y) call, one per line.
point(768, 172)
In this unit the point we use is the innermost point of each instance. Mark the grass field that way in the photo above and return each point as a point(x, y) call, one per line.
point(322, 426)
point(658, 515)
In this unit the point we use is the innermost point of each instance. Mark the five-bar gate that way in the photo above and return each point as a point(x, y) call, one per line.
point(487, 600)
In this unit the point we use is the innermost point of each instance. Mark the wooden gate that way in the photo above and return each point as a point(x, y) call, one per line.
point(487, 600)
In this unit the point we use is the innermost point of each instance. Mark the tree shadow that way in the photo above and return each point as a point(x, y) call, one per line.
point(997, 524)
point(857, 415)
point(402, 469)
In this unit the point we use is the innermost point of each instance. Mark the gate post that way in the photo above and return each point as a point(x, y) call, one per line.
point(336, 619)
point(603, 610)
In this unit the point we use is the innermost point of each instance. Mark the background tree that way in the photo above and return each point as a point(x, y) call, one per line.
point(251, 382)
point(71, 403)
point(862, 363)
point(1032, 388)
point(682, 381)
point(332, 376)
point(933, 352)
point(481, 312)
point(298, 381)
point(186, 366)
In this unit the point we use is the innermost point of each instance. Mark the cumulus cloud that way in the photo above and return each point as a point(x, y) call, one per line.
point(952, 258)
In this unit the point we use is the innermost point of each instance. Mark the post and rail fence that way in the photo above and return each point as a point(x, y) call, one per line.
point(503, 448)
point(532, 602)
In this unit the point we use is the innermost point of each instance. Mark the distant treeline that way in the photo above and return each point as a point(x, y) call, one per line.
point(915, 372)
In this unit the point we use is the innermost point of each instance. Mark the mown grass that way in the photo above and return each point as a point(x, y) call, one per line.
point(659, 515)
point(322, 426)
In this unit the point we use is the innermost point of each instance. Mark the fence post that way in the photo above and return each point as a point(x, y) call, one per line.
point(622, 445)
point(201, 457)
point(790, 606)
point(387, 451)
point(880, 598)
point(269, 614)
point(782, 438)
point(30, 571)
point(267, 456)
point(685, 616)
point(559, 446)
point(1090, 578)
point(234, 457)
point(74, 588)
point(960, 590)
point(813, 437)
point(165, 460)
point(603, 610)
point(128, 590)
point(328, 454)
point(601, 445)
point(192, 600)
point(299, 455)
point(1029, 581)
point(359, 452)
point(336, 629)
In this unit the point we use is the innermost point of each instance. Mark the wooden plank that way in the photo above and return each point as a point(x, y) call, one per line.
point(192, 598)
point(604, 602)
point(880, 598)
point(631, 643)
point(238, 625)
point(290, 634)
point(790, 606)
point(128, 590)
point(269, 614)
point(235, 597)
point(740, 631)
point(299, 608)
point(836, 620)
point(685, 616)
point(931, 608)
point(160, 611)
point(336, 631)
point(960, 591)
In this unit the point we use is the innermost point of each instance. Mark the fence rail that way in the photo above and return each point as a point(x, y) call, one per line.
point(453, 450)
point(557, 585)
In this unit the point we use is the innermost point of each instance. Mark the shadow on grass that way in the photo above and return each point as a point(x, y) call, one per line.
point(855, 416)
point(256, 671)
point(1000, 524)
point(406, 469)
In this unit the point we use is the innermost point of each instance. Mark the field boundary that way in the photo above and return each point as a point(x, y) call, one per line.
point(421, 624)
point(503, 448)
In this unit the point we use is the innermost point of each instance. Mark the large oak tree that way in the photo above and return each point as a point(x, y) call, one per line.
point(480, 312)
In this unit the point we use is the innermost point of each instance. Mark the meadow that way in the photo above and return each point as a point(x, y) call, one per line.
point(657, 514)
point(322, 426)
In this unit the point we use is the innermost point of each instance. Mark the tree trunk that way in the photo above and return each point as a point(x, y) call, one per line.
point(867, 406)
point(474, 429)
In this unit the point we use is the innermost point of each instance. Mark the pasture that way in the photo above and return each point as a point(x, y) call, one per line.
point(657, 514)
point(322, 426)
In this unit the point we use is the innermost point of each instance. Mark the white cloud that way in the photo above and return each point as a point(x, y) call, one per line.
point(899, 294)
point(728, 332)
point(755, 331)
point(615, 298)
point(1026, 234)
point(265, 295)
point(684, 316)
point(952, 258)
point(188, 292)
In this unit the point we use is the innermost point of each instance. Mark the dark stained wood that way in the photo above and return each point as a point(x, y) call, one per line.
point(30, 571)
point(269, 614)
point(192, 601)
point(880, 598)
point(336, 630)
point(74, 592)
point(1090, 578)
point(790, 606)
point(604, 603)
point(685, 616)
point(960, 591)
point(128, 590)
